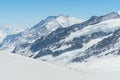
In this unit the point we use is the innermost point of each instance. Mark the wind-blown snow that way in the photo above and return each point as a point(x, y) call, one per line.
point(15, 67)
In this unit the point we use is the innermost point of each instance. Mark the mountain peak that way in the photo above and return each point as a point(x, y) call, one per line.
point(94, 18)
point(62, 15)
point(49, 18)
point(57, 21)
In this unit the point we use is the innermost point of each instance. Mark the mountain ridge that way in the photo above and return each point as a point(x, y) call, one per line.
point(67, 44)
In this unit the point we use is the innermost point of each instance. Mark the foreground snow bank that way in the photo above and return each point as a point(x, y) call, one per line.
point(15, 67)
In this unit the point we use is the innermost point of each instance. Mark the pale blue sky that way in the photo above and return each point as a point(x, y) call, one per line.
point(29, 12)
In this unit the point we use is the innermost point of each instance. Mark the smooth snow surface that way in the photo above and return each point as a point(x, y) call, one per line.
point(15, 67)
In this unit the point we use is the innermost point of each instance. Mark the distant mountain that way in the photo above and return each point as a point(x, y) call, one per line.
point(44, 27)
point(2, 35)
point(73, 43)
point(8, 30)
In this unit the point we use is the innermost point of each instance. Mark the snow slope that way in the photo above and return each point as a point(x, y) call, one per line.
point(104, 64)
point(105, 26)
point(15, 67)
point(108, 26)
point(65, 45)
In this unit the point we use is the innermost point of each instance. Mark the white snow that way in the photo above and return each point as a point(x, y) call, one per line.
point(62, 47)
point(67, 21)
point(91, 43)
point(104, 64)
point(11, 29)
point(105, 26)
point(16, 67)
point(66, 57)
point(32, 34)
point(60, 21)
point(7, 30)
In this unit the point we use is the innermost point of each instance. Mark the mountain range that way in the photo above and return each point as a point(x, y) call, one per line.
point(66, 40)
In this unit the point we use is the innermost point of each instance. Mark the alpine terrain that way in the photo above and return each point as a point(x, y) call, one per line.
point(81, 45)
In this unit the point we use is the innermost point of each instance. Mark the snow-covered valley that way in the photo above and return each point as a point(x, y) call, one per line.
point(16, 67)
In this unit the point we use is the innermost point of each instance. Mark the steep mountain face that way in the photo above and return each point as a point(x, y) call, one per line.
point(71, 44)
point(45, 27)
point(108, 46)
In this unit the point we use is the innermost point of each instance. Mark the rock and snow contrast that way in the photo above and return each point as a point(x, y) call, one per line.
point(44, 27)
point(75, 43)
point(85, 46)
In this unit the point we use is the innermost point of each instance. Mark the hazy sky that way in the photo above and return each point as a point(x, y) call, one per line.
point(29, 12)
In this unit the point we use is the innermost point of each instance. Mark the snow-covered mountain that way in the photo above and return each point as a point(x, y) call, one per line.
point(44, 27)
point(48, 25)
point(57, 40)
point(108, 46)
point(8, 30)
point(51, 23)
point(71, 44)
